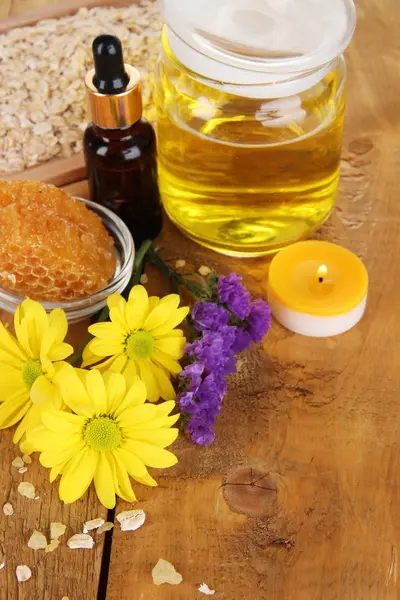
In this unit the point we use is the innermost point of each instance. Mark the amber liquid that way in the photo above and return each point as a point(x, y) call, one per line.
point(240, 187)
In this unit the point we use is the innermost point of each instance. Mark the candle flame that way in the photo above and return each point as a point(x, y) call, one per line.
point(322, 272)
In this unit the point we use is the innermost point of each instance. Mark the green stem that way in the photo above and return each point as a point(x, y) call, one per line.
point(104, 314)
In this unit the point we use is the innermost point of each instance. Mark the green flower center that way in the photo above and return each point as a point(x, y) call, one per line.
point(102, 434)
point(139, 345)
point(31, 370)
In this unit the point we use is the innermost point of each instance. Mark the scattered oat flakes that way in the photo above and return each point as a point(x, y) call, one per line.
point(52, 546)
point(17, 462)
point(57, 530)
point(8, 509)
point(80, 540)
point(27, 459)
point(107, 526)
point(22, 470)
point(93, 524)
point(23, 573)
point(204, 589)
point(164, 572)
point(131, 519)
point(2, 565)
point(180, 263)
point(27, 489)
point(65, 598)
point(205, 271)
point(144, 279)
point(37, 541)
point(37, 497)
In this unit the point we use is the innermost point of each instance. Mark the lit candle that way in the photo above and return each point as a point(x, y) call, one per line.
point(317, 288)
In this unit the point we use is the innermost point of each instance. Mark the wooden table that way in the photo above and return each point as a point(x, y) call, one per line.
point(319, 417)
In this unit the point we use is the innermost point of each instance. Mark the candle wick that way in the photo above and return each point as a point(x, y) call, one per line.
point(321, 279)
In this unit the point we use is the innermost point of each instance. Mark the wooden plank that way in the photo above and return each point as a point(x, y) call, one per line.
point(319, 416)
point(60, 172)
point(64, 572)
point(5, 8)
point(49, 9)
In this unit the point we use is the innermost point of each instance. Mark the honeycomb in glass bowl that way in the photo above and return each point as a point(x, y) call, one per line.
point(52, 247)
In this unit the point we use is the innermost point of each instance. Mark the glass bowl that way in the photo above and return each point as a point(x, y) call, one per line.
point(82, 308)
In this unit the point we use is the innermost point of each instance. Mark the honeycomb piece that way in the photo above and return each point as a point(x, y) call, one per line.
point(52, 247)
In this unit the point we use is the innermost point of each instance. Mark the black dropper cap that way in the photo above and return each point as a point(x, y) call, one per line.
point(110, 76)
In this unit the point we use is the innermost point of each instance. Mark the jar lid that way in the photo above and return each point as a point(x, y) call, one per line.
point(263, 36)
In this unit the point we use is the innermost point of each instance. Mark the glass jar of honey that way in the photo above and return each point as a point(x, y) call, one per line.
point(250, 104)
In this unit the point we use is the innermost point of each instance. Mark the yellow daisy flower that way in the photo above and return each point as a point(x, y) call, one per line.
point(141, 339)
point(26, 365)
point(111, 435)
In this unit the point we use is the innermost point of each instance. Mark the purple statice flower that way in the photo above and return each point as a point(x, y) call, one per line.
point(201, 431)
point(242, 341)
point(259, 320)
point(233, 293)
point(214, 351)
point(208, 315)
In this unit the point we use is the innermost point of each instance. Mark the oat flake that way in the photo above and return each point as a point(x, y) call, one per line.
point(27, 459)
point(164, 572)
point(17, 462)
point(180, 263)
point(107, 526)
point(2, 565)
point(204, 271)
point(8, 509)
point(52, 546)
point(37, 541)
point(80, 540)
point(144, 279)
point(22, 470)
point(204, 589)
point(27, 490)
point(131, 519)
point(57, 530)
point(23, 573)
point(93, 524)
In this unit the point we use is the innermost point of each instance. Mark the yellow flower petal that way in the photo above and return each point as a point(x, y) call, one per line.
point(138, 414)
point(150, 455)
point(62, 451)
point(21, 331)
point(132, 464)
point(130, 372)
point(36, 318)
point(60, 352)
point(117, 363)
point(9, 345)
point(135, 396)
point(62, 422)
point(165, 387)
point(146, 374)
point(96, 390)
point(153, 301)
point(43, 390)
point(115, 389)
point(56, 470)
point(58, 320)
point(10, 382)
point(120, 475)
point(77, 475)
point(88, 358)
point(137, 307)
point(106, 332)
point(103, 348)
point(73, 391)
point(157, 437)
point(48, 340)
point(116, 301)
point(119, 322)
point(177, 317)
point(104, 482)
point(166, 361)
point(162, 312)
point(173, 347)
point(13, 409)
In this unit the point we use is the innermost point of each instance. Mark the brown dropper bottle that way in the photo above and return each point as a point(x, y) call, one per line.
point(119, 144)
